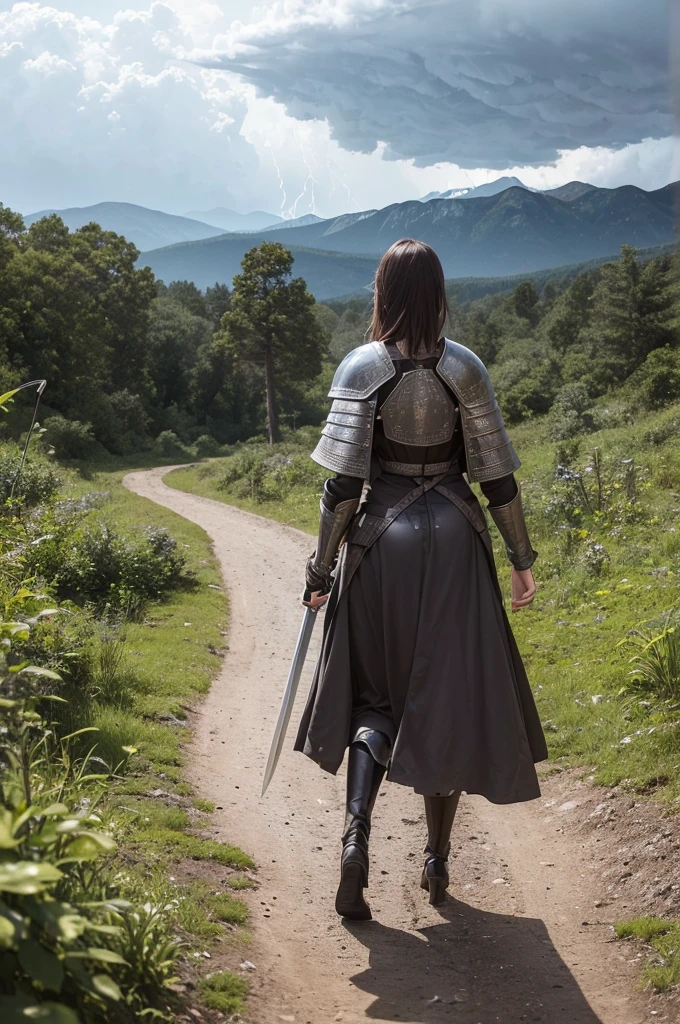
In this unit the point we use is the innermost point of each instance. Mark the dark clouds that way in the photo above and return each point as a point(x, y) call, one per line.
point(475, 82)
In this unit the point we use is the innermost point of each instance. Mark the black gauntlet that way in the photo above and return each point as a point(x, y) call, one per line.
point(332, 528)
point(513, 529)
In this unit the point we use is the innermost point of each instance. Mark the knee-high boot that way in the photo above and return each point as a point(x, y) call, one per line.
point(366, 765)
point(440, 812)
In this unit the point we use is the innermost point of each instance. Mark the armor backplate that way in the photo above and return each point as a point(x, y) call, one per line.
point(347, 439)
point(419, 411)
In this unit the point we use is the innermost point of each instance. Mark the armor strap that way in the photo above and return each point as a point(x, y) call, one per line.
point(417, 469)
point(513, 529)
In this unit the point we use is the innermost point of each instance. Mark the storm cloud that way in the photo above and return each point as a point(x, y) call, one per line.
point(473, 82)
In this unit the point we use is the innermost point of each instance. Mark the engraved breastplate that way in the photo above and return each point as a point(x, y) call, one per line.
point(419, 411)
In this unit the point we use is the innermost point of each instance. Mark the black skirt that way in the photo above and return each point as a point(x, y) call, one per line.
point(417, 645)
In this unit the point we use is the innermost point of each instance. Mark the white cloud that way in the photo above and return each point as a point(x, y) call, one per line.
point(111, 111)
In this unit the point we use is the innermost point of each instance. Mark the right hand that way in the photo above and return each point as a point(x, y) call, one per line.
point(316, 600)
point(522, 587)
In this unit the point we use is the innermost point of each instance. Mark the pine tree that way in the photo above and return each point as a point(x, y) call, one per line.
point(271, 324)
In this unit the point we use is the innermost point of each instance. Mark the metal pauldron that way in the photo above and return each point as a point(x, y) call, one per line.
point(513, 529)
point(488, 449)
point(346, 441)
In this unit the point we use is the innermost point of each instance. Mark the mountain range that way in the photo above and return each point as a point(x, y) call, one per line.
point(230, 220)
point(497, 231)
point(491, 188)
point(148, 229)
point(154, 229)
point(513, 232)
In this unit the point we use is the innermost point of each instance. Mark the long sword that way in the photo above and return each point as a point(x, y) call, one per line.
point(296, 666)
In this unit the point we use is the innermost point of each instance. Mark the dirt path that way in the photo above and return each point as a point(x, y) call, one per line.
point(521, 939)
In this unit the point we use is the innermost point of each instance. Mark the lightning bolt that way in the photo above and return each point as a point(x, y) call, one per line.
point(309, 179)
point(278, 174)
point(340, 178)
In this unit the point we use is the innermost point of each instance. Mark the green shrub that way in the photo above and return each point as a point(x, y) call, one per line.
point(654, 654)
point(70, 438)
point(120, 422)
point(207, 447)
point(260, 474)
point(96, 564)
point(657, 382)
point(570, 414)
point(666, 429)
point(169, 446)
point(55, 952)
point(37, 482)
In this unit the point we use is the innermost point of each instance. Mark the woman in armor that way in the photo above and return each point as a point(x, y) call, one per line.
point(419, 675)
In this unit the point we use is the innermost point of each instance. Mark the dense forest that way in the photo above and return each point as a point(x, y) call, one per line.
point(134, 363)
point(130, 360)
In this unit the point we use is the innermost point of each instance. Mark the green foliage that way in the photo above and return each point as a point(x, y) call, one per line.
point(38, 481)
point(203, 911)
point(657, 381)
point(571, 412)
point(70, 438)
point(51, 948)
point(654, 652)
point(169, 446)
point(207, 447)
point(260, 474)
point(225, 991)
point(98, 565)
point(271, 325)
point(663, 938)
point(80, 940)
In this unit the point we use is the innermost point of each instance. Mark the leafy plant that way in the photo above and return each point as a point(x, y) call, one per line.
point(655, 658)
point(97, 564)
point(37, 482)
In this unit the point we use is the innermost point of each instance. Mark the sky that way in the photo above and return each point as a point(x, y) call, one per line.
point(326, 106)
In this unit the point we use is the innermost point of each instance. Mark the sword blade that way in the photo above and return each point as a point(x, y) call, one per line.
point(288, 701)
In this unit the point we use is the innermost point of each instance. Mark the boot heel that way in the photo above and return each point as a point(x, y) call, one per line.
point(350, 902)
point(437, 887)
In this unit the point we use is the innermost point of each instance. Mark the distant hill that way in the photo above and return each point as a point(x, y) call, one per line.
point(514, 232)
point(492, 188)
point(297, 222)
point(219, 259)
point(230, 220)
point(572, 190)
point(148, 229)
point(466, 289)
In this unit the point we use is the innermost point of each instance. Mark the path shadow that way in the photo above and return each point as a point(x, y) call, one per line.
point(483, 968)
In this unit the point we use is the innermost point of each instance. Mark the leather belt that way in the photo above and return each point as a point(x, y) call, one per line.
point(417, 469)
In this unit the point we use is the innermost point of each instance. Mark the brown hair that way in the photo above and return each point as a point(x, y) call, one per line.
point(409, 304)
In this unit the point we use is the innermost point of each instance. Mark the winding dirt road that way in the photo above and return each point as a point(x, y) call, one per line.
point(518, 941)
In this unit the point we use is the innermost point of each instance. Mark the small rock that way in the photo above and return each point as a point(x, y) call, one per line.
point(248, 966)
